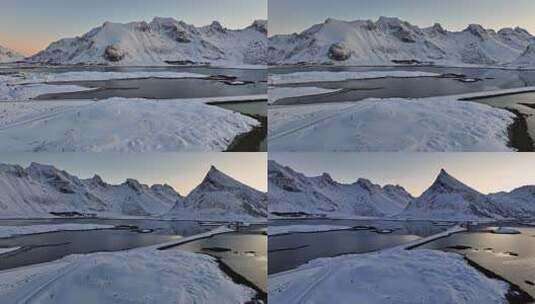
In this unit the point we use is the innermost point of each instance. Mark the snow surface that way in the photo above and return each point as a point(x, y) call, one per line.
point(392, 124)
point(98, 75)
point(428, 276)
point(9, 231)
point(382, 42)
point(291, 191)
point(160, 41)
point(327, 76)
point(6, 250)
point(277, 93)
point(506, 230)
point(118, 124)
point(276, 230)
point(142, 275)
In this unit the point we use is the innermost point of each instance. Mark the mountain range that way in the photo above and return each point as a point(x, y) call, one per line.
point(162, 41)
point(40, 190)
point(390, 40)
point(446, 199)
point(9, 55)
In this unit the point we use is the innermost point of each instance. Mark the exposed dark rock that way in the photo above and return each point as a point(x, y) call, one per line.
point(339, 52)
point(113, 53)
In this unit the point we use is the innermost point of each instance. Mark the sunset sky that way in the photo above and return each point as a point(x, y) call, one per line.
point(296, 15)
point(29, 26)
point(486, 172)
point(183, 171)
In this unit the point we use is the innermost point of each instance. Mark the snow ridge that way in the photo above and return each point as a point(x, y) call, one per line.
point(390, 41)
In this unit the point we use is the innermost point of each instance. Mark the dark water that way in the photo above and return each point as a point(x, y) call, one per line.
point(354, 90)
point(244, 252)
point(45, 247)
point(256, 139)
point(292, 250)
point(509, 256)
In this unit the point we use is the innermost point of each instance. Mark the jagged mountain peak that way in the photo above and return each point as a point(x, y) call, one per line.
point(447, 183)
point(9, 55)
point(217, 178)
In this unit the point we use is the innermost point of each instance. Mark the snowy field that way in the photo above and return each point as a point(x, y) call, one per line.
point(326, 76)
point(276, 230)
point(428, 276)
point(143, 275)
point(118, 124)
point(278, 93)
point(392, 124)
point(9, 231)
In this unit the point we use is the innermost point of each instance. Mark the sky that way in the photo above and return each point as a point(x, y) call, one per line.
point(486, 172)
point(29, 26)
point(289, 16)
point(183, 171)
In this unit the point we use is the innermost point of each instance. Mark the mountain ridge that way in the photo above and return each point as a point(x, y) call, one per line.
point(390, 40)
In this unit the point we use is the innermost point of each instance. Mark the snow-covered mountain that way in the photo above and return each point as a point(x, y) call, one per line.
point(160, 41)
point(8, 55)
point(38, 190)
point(448, 198)
point(391, 40)
point(219, 196)
point(290, 191)
point(41, 189)
point(527, 59)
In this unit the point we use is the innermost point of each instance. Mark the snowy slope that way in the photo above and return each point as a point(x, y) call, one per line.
point(442, 123)
point(290, 191)
point(391, 276)
point(160, 41)
point(143, 275)
point(8, 55)
point(40, 189)
point(388, 40)
point(527, 58)
point(220, 196)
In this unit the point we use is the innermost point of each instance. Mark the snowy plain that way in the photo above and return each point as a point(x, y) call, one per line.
point(10, 231)
point(278, 93)
point(277, 230)
point(328, 76)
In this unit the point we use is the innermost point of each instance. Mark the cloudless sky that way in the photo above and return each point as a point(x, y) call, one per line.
point(183, 171)
point(289, 16)
point(486, 172)
point(29, 26)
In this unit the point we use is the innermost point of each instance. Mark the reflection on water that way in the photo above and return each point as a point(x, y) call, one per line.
point(39, 248)
point(509, 256)
point(292, 250)
point(244, 253)
point(491, 79)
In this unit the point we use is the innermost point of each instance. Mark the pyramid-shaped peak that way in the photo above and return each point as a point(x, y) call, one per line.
point(447, 182)
point(217, 178)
